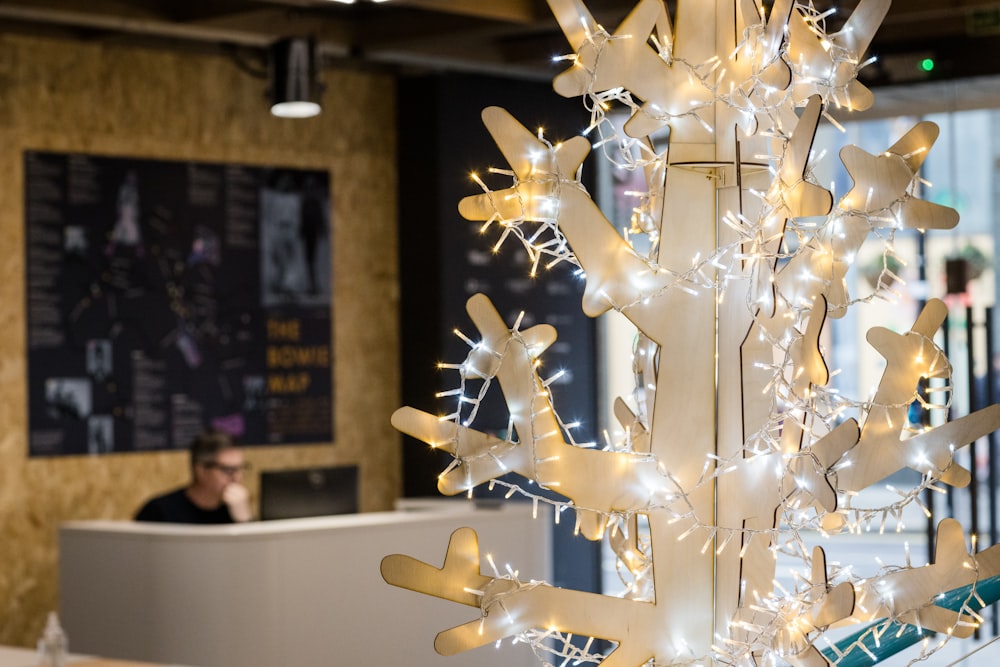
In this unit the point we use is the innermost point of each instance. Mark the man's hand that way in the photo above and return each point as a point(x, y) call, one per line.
point(237, 499)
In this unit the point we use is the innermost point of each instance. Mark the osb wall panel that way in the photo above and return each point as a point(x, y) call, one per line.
point(106, 99)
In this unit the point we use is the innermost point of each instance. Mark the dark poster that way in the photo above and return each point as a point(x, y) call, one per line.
point(163, 297)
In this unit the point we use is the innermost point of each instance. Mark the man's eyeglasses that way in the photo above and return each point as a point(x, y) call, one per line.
point(230, 471)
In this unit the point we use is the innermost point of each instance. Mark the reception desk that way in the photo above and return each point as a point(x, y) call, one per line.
point(294, 593)
point(22, 657)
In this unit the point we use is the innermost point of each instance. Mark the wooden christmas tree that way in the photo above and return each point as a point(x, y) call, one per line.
point(734, 446)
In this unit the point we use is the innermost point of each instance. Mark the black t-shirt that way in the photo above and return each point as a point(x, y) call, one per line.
point(176, 507)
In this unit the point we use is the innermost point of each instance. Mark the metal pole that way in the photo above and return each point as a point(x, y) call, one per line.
point(925, 417)
point(974, 402)
point(950, 491)
point(991, 398)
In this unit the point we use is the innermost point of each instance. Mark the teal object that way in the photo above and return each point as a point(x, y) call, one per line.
point(899, 636)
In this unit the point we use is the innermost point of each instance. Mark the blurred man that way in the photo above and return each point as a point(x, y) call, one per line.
point(216, 493)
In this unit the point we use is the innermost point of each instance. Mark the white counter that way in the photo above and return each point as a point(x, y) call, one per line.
point(299, 592)
point(11, 656)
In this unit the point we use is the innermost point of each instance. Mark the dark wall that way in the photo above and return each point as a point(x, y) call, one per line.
point(441, 141)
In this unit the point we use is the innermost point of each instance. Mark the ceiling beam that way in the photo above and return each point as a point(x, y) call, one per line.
point(514, 11)
point(125, 24)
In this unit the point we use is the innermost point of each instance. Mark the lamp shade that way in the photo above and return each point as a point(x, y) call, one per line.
point(295, 90)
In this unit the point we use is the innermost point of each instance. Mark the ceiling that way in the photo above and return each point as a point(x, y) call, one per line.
point(512, 37)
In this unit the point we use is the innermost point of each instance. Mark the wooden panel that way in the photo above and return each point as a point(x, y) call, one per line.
point(68, 96)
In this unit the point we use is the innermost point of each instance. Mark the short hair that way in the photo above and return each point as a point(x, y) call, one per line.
point(206, 446)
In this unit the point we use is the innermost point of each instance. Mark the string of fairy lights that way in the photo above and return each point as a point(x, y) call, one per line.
point(816, 410)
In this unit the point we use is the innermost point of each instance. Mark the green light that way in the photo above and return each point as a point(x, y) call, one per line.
point(927, 64)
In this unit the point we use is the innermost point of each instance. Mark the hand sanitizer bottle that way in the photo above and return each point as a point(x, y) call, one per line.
point(52, 645)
